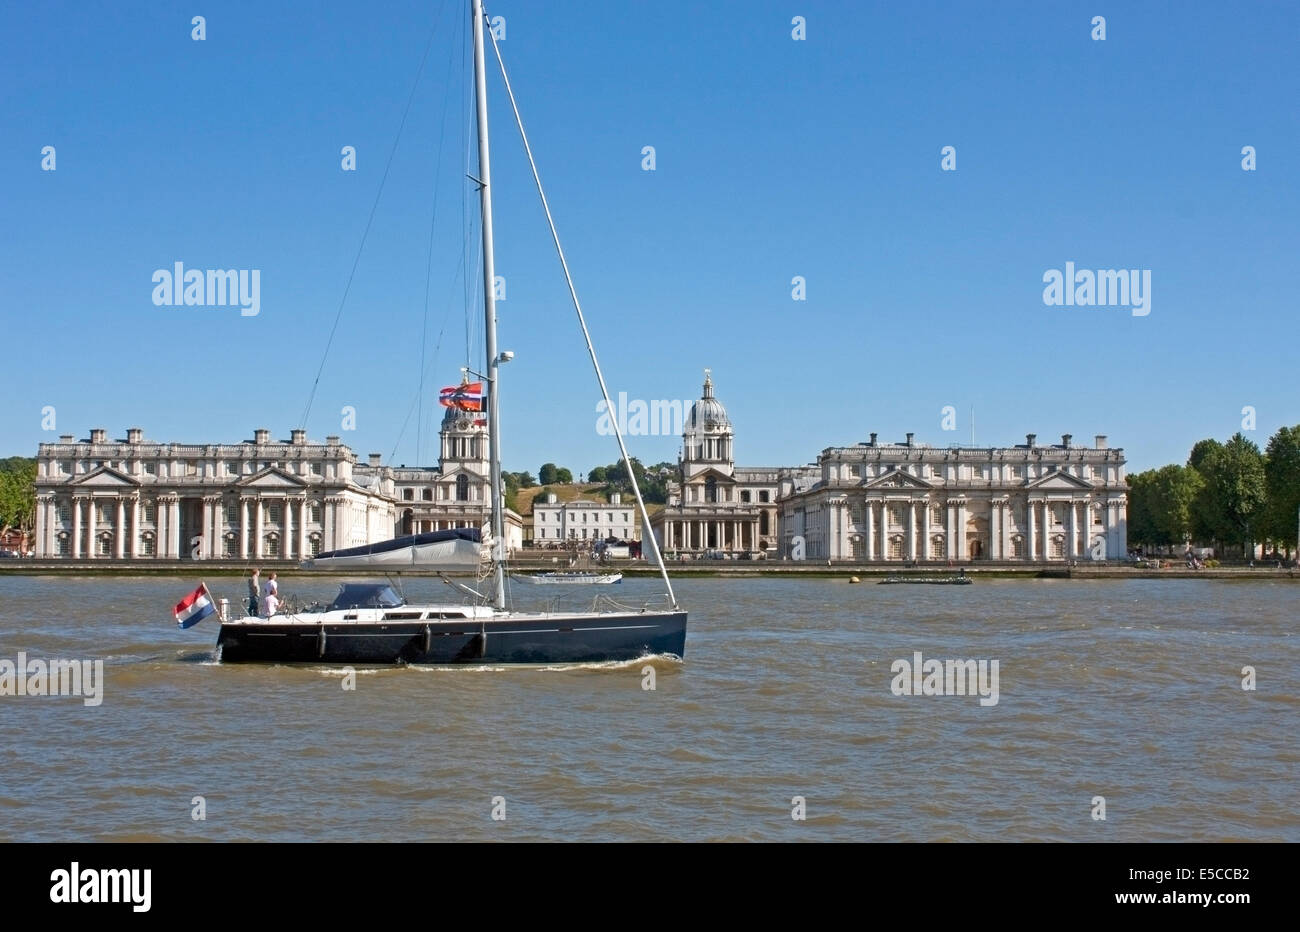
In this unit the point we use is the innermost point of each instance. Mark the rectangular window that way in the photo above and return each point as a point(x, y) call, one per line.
point(273, 514)
point(232, 515)
point(315, 509)
point(149, 513)
point(316, 469)
point(896, 549)
point(65, 513)
point(64, 545)
point(150, 469)
point(273, 546)
point(230, 547)
point(314, 546)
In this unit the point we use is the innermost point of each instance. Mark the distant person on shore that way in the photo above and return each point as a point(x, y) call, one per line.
point(270, 596)
point(254, 591)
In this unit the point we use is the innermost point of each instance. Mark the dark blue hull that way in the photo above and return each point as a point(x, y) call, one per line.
point(554, 639)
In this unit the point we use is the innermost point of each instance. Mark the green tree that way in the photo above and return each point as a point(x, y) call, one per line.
point(563, 476)
point(1175, 489)
point(1230, 505)
point(548, 474)
point(18, 494)
point(1141, 512)
point(597, 475)
point(1282, 485)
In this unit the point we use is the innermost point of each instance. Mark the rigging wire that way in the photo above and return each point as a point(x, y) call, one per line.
point(338, 315)
point(582, 321)
point(428, 267)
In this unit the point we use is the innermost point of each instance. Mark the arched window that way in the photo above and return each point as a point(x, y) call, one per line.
point(711, 489)
point(462, 488)
point(762, 523)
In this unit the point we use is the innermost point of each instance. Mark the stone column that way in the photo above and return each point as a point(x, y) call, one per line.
point(869, 515)
point(286, 528)
point(76, 526)
point(218, 527)
point(42, 524)
point(962, 552)
point(302, 528)
point(995, 530)
point(91, 549)
point(1030, 543)
point(243, 528)
point(174, 527)
point(135, 526)
point(260, 511)
point(205, 546)
point(119, 530)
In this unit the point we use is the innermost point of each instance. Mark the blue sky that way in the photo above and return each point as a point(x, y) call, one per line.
point(774, 158)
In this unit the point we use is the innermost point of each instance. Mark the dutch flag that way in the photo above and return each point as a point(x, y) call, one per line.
point(194, 607)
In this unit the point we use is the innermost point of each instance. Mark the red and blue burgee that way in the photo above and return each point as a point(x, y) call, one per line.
point(194, 607)
point(468, 396)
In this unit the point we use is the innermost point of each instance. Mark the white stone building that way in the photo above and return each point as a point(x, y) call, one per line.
point(716, 506)
point(914, 502)
point(257, 500)
point(456, 493)
point(584, 520)
point(261, 499)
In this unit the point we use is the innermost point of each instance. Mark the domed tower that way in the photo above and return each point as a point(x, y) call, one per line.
point(464, 437)
point(707, 438)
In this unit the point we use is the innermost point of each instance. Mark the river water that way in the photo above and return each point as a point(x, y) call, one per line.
point(1127, 690)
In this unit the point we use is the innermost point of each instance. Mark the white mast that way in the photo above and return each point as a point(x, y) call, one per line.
point(489, 312)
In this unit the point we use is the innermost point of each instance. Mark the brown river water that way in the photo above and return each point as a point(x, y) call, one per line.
point(1127, 690)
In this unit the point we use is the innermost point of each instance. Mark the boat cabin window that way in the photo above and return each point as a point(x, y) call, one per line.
point(366, 595)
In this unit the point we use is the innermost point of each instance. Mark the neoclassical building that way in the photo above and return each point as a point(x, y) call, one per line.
point(261, 499)
point(914, 502)
point(456, 493)
point(584, 521)
point(714, 505)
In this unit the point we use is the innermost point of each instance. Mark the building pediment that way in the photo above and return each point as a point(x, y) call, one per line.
point(271, 478)
point(704, 474)
point(897, 479)
point(1060, 481)
point(104, 477)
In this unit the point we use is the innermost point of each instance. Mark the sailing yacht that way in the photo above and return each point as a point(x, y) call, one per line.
point(370, 623)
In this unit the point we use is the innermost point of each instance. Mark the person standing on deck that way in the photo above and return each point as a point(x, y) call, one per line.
point(254, 591)
point(270, 597)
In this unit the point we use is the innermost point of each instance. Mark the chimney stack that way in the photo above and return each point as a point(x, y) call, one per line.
point(261, 435)
point(873, 439)
point(376, 458)
point(134, 435)
point(298, 437)
point(1065, 440)
point(65, 438)
point(98, 435)
point(1031, 440)
point(1101, 441)
point(909, 438)
point(332, 441)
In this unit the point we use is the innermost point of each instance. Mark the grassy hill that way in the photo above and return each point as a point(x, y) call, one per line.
point(592, 491)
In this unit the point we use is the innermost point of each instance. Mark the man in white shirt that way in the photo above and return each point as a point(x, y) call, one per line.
point(270, 597)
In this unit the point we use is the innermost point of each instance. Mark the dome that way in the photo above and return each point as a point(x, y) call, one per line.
point(708, 413)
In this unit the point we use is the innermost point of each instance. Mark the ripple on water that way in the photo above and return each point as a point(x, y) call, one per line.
point(1127, 689)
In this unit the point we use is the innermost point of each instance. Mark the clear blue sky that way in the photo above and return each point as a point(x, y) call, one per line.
point(775, 158)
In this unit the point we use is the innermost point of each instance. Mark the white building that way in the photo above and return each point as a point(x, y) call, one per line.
point(133, 498)
point(715, 505)
point(913, 502)
point(257, 500)
point(584, 520)
point(457, 493)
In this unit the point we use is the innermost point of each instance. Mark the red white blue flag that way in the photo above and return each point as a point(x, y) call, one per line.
point(468, 396)
point(194, 607)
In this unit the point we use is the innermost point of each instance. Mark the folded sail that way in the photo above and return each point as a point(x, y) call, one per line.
point(459, 548)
